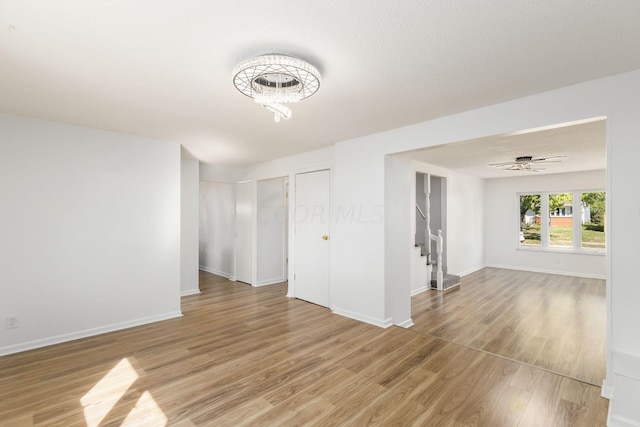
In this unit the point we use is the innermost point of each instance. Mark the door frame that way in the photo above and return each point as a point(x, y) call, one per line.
point(291, 234)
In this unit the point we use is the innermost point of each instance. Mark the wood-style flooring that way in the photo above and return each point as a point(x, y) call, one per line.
point(550, 321)
point(250, 356)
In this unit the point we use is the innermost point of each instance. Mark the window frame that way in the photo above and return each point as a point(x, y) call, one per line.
point(545, 223)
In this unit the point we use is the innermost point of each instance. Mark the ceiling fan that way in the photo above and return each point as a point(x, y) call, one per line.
point(526, 163)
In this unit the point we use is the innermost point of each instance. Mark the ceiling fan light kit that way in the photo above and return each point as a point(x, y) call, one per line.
point(526, 163)
point(273, 80)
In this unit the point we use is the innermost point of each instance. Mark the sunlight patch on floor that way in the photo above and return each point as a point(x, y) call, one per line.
point(101, 399)
point(146, 413)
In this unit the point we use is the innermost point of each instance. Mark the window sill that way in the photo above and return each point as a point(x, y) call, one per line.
point(561, 250)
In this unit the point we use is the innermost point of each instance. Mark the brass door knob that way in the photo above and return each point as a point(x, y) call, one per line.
point(325, 237)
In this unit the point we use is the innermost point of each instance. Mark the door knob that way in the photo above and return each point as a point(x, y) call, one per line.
point(325, 237)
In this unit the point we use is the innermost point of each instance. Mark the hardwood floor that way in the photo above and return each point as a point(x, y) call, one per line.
point(546, 320)
point(251, 356)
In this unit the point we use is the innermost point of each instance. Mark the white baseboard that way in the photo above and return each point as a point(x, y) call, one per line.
point(189, 292)
point(618, 421)
point(626, 363)
point(473, 270)
point(606, 390)
point(44, 342)
point(216, 272)
point(406, 324)
point(547, 271)
point(419, 290)
point(623, 405)
point(270, 281)
point(362, 318)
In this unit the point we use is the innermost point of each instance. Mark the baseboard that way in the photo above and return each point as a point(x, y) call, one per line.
point(216, 272)
point(623, 405)
point(362, 318)
point(617, 421)
point(58, 339)
point(419, 290)
point(406, 324)
point(545, 271)
point(270, 282)
point(189, 292)
point(606, 390)
point(626, 364)
point(468, 272)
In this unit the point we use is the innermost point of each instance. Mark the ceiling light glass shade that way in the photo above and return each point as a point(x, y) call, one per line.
point(272, 80)
point(279, 111)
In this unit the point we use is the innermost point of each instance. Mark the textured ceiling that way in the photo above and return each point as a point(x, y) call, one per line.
point(162, 69)
point(581, 145)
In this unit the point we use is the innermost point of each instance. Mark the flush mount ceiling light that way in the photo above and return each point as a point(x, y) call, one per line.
point(273, 80)
point(526, 163)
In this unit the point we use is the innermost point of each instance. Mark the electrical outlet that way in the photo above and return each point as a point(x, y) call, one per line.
point(11, 322)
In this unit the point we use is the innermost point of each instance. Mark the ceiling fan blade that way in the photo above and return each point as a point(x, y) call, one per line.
point(553, 159)
point(498, 165)
point(522, 168)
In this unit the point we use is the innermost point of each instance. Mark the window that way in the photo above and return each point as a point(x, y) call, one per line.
point(593, 219)
point(530, 220)
point(560, 220)
point(570, 221)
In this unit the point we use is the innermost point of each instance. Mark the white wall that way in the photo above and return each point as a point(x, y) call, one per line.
point(400, 190)
point(217, 228)
point(90, 231)
point(190, 199)
point(271, 232)
point(216, 173)
point(288, 166)
point(358, 239)
point(502, 219)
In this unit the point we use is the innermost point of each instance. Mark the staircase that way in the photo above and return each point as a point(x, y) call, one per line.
point(430, 276)
point(436, 272)
point(448, 281)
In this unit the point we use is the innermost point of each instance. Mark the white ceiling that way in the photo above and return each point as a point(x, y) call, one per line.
point(582, 145)
point(162, 69)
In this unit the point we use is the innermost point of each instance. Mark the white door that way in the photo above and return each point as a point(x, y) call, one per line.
point(312, 217)
point(244, 232)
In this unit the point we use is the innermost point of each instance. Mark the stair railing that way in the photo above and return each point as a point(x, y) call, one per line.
point(439, 250)
point(440, 276)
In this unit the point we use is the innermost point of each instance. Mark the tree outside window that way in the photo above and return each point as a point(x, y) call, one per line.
point(530, 220)
point(594, 207)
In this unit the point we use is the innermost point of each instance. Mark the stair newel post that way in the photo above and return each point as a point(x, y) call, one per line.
point(440, 276)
